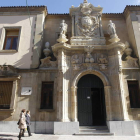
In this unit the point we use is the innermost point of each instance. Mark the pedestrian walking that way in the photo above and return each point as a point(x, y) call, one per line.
point(22, 123)
point(28, 116)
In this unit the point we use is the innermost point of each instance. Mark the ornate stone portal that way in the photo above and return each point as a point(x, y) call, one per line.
point(88, 54)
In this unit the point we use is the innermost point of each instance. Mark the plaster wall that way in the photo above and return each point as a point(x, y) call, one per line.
point(22, 57)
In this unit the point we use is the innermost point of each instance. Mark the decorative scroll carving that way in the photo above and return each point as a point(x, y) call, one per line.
point(46, 62)
point(7, 71)
point(129, 62)
point(63, 30)
point(112, 32)
point(89, 61)
point(102, 62)
point(75, 62)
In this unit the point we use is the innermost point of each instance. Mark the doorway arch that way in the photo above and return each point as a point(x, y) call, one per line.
point(107, 90)
point(91, 101)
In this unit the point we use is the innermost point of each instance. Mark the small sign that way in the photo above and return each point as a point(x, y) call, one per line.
point(26, 91)
point(88, 97)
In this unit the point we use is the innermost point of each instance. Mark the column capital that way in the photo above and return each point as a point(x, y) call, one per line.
point(74, 87)
point(107, 87)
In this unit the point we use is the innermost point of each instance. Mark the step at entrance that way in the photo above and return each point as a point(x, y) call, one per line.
point(94, 130)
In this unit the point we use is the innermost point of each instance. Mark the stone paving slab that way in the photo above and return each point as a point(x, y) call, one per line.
point(13, 136)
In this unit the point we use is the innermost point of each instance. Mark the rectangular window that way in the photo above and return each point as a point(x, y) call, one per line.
point(47, 95)
point(11, 39)
point(5, 94)
point(134, 95)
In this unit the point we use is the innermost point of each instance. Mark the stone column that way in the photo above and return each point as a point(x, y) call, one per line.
point(73, 25)
point(63, 87)
point(123, 100)
point(107, 90)
point(74, 104)
point(101, 28)
point(123, 107)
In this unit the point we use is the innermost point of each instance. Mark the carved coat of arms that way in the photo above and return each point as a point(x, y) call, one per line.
point(87, 23)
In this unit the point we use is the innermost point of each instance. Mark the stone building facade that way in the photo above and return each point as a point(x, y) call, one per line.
point(70, 70)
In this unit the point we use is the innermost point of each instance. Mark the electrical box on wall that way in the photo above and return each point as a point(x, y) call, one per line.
point(26, 91)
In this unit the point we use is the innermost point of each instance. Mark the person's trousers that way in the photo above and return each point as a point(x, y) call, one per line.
point(21, 133)
point(29, 131)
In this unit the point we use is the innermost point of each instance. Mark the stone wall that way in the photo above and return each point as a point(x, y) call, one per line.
point(32, 102)
point(133, 113)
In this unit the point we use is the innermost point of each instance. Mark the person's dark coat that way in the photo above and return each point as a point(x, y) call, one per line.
point(28, 120)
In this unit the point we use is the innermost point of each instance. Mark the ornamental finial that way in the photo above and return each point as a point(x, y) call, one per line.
point(85, 1)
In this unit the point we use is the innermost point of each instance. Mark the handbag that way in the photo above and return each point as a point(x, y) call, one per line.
point(18, 122)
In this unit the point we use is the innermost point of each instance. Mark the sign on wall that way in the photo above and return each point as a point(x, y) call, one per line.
point(26, 91)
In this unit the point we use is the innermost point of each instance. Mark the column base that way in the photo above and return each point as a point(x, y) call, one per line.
point(121, 128)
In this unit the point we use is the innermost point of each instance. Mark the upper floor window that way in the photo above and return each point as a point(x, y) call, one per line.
point(134, 94)
point(47, 95)
point(11, 39)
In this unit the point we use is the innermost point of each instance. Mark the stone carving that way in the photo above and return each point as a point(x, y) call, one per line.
point(46, 62)
point(63, 30)
point(87, 23)
point(47, 50)
point(129, 62)
point(89, 58)
point(75, 62)
point(90, 66)
point(112, 32)
point(7, 71)
point(102, 62)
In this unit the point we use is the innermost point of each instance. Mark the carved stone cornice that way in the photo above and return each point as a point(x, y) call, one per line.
point(112, 15)
point(8, 71)
point(58, 46)
point(131, 9)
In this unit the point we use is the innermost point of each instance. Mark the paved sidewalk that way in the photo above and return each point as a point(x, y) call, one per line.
point(13, 136)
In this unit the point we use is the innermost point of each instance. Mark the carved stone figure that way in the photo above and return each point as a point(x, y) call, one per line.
point(63, 27)
point(112, 32)
point(102, 60)
point(111, 28)
point(89, 58)
point(75, 59)
point(63, 30)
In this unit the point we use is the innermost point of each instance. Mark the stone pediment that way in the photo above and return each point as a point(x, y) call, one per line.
point(89, 5)
point(86, 25)
point(8, 71)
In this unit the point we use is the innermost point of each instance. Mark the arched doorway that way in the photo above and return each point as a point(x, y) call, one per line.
point(91, 101)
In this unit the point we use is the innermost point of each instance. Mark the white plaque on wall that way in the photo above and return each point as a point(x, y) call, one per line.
point(26, 91)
